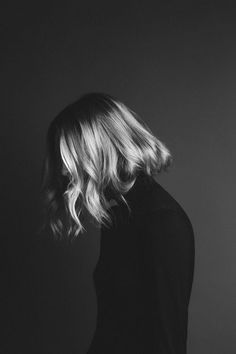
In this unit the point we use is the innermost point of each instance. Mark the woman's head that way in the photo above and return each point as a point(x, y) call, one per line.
point(95, 145)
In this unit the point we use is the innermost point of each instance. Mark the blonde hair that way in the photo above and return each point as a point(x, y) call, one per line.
point(95, 145)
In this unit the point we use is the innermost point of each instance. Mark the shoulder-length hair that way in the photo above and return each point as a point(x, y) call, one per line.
point(95, 148)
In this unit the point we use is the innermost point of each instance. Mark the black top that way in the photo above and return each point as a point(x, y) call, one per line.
point(144, 275)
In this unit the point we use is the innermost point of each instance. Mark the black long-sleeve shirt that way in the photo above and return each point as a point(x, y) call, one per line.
point(144, 275)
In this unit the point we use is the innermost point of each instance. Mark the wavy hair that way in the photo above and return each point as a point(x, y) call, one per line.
point(95, 148)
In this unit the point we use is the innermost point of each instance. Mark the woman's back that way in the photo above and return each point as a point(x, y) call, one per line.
point(144, 274)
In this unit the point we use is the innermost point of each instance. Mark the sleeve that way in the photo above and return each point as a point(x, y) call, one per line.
point(172, 263)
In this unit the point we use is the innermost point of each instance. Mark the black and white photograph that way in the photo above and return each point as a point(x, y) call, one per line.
point(118, 177)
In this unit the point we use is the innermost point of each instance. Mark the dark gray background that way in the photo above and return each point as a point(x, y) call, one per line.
point(174, 64)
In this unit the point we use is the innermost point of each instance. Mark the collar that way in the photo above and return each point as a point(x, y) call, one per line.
point(137, 197)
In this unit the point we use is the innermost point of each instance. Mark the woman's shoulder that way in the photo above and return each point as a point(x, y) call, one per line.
point(172, 220)
point(167, 217)
point(148, 199)
point(160, 197)
point(148, 194)
point(160, 209)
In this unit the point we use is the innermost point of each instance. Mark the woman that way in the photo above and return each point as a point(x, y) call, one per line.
point(101, 160)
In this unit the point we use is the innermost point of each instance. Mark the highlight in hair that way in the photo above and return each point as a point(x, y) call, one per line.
point(95, 148)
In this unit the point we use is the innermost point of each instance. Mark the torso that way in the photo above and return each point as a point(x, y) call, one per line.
point(123, 273)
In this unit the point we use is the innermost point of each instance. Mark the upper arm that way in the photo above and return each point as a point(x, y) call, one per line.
point(171, 239)
point(172, 247)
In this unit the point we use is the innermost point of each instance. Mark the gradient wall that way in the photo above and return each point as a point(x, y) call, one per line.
point(172, 63)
